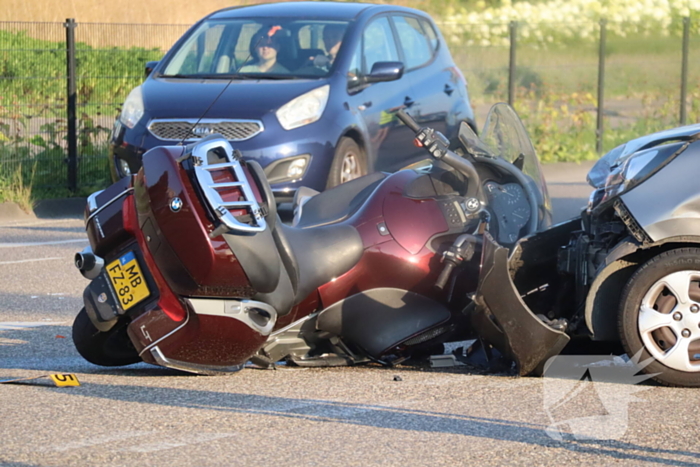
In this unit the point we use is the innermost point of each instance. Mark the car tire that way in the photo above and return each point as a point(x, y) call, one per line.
point(654, 322)
point(349, 163)
point(111, 348)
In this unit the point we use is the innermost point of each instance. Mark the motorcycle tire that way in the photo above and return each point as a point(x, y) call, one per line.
point(349, 162)
point(658, 335)
point(111, 348)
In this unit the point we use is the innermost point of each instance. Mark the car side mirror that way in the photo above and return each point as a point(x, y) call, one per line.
point(150, 66)
point(385, 71)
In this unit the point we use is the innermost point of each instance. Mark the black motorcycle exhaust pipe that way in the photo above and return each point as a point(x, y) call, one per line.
point(88, 263)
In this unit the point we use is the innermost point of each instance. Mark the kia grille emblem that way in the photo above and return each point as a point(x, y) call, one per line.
point(202, 130)
point(175, 204)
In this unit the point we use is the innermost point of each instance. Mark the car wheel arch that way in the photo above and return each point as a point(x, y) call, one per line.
point(355, 134)
point(605, 293)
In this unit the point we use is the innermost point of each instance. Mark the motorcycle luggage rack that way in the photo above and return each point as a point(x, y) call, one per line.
point(211, 189)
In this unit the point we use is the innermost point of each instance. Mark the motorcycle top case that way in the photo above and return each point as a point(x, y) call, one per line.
point(178, 227)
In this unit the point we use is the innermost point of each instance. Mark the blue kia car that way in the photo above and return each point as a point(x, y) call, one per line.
point(308, 89)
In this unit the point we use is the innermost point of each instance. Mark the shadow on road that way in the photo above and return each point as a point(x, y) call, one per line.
point(378, 416)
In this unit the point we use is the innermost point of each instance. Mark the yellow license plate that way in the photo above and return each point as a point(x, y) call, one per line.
point(127, 280)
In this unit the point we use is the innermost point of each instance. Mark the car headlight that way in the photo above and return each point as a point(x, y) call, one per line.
point(637, 167)
point(132, 110)
point(304, 109)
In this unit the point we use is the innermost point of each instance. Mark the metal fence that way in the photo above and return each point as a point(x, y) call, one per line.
point(61, 85)
point(591, 86)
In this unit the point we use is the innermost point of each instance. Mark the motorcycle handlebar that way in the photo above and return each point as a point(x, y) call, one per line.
point(408, 120)
point(445, 275)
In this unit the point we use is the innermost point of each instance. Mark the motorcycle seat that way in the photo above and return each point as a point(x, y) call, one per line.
point(336, 204)
point(286, 264)
point(315, 256)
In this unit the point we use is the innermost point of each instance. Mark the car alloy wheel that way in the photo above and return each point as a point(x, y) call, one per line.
point(350, 169)
point(659, 319)
point(349, 163)
point(669, 320)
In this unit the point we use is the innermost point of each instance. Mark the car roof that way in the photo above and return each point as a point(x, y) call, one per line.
point(325, 10)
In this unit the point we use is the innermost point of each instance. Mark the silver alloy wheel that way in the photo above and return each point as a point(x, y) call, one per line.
point(350, 169)
point(669, 321)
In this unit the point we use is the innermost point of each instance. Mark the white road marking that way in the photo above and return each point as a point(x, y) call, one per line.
point(30, 244)
point(15, 325)
point(185, 441)
point(28, 260)
point(97, 440)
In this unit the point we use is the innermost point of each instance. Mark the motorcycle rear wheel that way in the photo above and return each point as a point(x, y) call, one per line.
point(111, 348)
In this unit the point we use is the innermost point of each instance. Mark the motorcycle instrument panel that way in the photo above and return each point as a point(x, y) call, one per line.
point(127, 280)
point(511, 208)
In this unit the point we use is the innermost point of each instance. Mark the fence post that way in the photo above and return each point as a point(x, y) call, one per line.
point(72, 135)
point(601, 88)
point(513, 26)
point(684, 69)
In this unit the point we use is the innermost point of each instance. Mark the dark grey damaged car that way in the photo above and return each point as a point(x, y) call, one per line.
point(627, 270)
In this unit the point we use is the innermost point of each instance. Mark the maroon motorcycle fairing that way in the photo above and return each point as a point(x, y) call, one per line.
point(193, 263)
point(186, 262)
point(397, 257)
point(105, 228)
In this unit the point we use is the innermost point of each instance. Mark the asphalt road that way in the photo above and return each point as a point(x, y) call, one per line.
point(144, 415)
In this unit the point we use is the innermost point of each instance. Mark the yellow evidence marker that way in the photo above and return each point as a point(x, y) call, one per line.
point(59, 379)
point(64, 379)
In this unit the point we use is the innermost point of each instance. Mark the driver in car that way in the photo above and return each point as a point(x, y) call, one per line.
point(266, 47)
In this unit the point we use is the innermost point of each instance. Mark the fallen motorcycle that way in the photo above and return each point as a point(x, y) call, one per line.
point(191, 267)
point(627, 270)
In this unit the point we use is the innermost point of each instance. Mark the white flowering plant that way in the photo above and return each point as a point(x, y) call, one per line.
point(558, 21)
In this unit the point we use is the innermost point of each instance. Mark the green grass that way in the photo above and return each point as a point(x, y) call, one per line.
point(556, 89)
point(18, 188)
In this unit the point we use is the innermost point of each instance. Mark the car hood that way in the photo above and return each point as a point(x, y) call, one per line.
point(245, 99)
point(598, 175)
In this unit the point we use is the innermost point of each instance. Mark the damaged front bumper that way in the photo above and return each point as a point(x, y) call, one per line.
point(502, 318)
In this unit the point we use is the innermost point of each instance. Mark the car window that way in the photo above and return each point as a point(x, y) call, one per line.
point(430, 33)
point(242, 49)
point(378, 43)
point(415, 45)
point(197, 54)
point(355, 68)
point(281, 48)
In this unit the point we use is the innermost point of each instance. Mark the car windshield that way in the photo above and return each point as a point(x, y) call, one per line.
point(260, 48)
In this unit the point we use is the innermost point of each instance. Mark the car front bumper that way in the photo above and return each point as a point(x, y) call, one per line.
point(270, 148)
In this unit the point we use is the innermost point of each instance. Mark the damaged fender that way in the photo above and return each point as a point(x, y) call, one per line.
point(502, 318)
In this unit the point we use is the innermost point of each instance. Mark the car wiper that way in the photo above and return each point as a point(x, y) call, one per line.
point(209, 76)
point(271, 76)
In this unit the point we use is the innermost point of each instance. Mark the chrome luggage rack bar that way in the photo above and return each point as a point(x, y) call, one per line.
point(210, 189)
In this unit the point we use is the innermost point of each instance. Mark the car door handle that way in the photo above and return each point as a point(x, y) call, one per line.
point(364, 106)
point(408, 102)
point(448, 89)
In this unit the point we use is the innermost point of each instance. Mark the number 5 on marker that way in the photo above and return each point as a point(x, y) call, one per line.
point(62, 380)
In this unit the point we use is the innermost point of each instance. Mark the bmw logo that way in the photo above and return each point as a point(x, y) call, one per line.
point(175, 204)
point(472, 204)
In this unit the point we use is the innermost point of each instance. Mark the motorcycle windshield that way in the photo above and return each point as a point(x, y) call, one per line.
point(505, 136)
